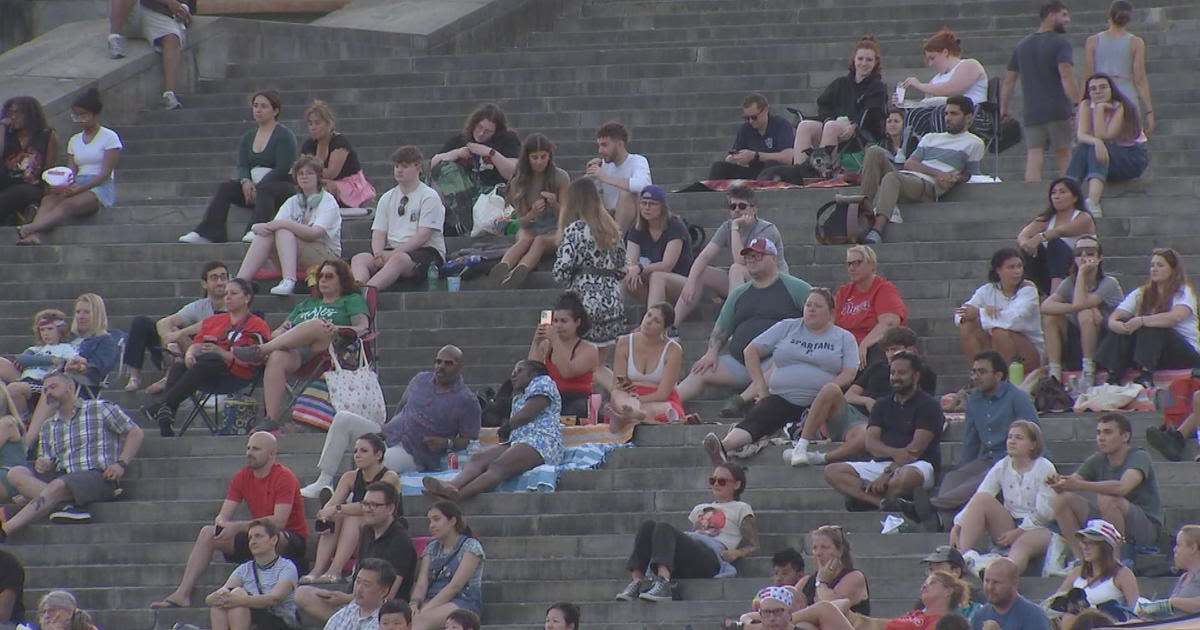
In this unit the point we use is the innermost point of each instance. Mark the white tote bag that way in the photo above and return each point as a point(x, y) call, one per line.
point(356, 391)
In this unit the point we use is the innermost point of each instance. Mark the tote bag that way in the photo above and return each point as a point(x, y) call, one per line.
point(356, 391)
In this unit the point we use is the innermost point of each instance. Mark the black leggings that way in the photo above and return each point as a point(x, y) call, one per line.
point(1148, 349)
point(209, 372)
point(143, 336)
point(768, 416)
point(661, 544)
point(1052, 260)
point(269, 196)
point(17, 197)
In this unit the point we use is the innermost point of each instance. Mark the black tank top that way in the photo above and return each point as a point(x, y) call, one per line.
point(810, 592)
point(359, 490)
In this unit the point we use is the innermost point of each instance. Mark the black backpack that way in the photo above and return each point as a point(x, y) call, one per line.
point(696, 234)
point(843, 220)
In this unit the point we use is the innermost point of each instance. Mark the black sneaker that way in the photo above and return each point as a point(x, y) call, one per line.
point(161, 415)
point(1167, 441)
point(71, 514)
point(900, 505)
point(631, 591)
point(715, 449)
point(659, 591)
point(856, 505)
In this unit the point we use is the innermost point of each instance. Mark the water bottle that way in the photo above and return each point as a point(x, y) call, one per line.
point(432, 276)
point(1016, 371)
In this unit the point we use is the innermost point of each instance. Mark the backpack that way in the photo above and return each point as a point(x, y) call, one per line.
point(843, 220)
point(1049, 396)
point(696, 234)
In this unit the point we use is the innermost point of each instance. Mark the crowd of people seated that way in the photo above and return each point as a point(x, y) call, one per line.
point(803, 361)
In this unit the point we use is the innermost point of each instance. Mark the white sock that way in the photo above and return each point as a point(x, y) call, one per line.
point(801, 445)
point(1055, 370)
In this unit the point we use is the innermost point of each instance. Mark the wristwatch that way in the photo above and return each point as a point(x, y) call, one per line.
point(122, 463)
point(492, 153)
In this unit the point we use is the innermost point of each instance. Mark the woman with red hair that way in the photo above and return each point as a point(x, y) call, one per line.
point(955, 77)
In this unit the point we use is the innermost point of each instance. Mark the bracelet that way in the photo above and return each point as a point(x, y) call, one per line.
point(122, 464)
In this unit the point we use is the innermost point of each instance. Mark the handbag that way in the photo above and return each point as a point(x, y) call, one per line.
point(843, 220)
point(239, 414)
point(356, 391)
point(312, 407)
point(491, 214)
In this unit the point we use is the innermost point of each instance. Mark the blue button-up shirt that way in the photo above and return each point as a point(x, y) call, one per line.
point(988, 418)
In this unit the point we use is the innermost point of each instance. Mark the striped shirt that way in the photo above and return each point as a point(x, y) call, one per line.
point(88, 439)
point(949, 153)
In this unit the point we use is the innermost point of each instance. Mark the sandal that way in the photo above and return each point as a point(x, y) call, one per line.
point(134, 384)
point(157, 387)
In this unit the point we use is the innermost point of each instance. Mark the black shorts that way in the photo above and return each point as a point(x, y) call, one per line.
point(294, 549)
point(263, 619)
point(422, 257)
point(768, 416)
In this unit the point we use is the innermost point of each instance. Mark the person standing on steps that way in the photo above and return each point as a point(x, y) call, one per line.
point(265, 154)
point(941, 161)
point(1045, 64)
point(83, 452)
point(742, 227)
point(1122, 56)
point(771, 296)
point(406, 233)
point(164, 24)
point(271, 492)
point(622, 175)
point(763, 141)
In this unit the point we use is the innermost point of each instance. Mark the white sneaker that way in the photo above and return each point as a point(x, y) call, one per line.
point(971, 557)
point(248, 237)
point(313, 490)
point(816, 458)
point(285, 287)
point(170, 101)
point(787, 455)
point(194, 238)
point(1094, 208)
point(799, 455)
point(982, 562)
point(116, 46)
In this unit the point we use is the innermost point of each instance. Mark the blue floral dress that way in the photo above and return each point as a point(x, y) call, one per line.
point(543, 433)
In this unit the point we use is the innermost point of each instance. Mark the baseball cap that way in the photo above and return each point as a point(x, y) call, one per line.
point(1101, 530)
point(946, 553)
point(654, 193)
point(762, 246)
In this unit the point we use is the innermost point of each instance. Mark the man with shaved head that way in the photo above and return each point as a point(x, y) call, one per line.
point(437, 413)
point(271, 492)
point(1006, 609)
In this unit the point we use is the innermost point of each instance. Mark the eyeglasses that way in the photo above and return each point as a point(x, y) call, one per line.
point(854, 263)
point(328, 276)
point(403, 206)
point(371, 505)
point(751, 118)
point(1087, 251)
point(740, 205)
point(752, 257)
point(719, 481)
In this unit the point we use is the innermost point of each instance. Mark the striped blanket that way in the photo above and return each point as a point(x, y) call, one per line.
point(584, 448)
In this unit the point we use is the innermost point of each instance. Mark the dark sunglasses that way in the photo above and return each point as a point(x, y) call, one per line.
point(750, 118)
point(720, 481)
point(1087, 251)
point(740, 205)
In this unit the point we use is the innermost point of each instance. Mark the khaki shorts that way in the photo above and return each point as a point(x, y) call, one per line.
point(1057, 134)
point(870, 471)
point(308, 253)
point(152, 27)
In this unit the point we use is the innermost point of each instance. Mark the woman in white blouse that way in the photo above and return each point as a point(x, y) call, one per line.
point(1017, 521)
point(1003, 315)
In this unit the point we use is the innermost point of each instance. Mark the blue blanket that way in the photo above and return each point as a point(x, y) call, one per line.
point(543, 478)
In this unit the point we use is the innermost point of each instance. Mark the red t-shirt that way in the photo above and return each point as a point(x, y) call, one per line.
point(263, 494)
point(254, 332)
point(913, 620)
point(859, 311)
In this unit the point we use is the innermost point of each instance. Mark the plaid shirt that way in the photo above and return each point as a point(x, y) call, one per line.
point(89, 439)
point(350, 617)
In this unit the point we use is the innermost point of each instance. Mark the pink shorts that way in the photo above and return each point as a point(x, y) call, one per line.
point(352, 191)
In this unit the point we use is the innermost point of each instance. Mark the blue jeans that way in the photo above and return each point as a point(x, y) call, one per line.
point(1123, 162)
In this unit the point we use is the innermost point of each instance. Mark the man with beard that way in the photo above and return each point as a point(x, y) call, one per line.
point(438, 413)
point(941, 161)
point(271, 493)
point(621, 175)
point(83, 451)
point(1043, 61)
point(903, 438)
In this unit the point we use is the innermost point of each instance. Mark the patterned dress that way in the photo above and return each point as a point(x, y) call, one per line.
point(543, 433)
point(595, 275)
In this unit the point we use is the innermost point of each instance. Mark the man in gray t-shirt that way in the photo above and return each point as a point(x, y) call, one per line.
point(1043, 61)
point(742, 227)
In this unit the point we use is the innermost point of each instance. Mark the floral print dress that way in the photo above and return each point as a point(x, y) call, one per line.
point(543, 433)
point(595, 275)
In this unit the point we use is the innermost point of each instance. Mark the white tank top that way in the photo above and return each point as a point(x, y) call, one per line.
point(654, 376)
point(977, 92)
point(1100, 592)
point(1069, 240)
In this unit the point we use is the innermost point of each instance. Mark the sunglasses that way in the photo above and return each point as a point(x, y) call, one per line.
point(1087, 251)
point(328, 276)
point(854, 263)
point(403, 206)
point(720, 481)
point(741, 205)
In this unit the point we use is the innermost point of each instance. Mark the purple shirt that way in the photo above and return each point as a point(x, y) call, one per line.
point(426, 411)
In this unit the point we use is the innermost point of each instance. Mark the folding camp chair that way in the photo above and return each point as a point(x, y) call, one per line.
point(201, 398)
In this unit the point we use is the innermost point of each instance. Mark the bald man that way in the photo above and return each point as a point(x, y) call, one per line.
point(437, 413)
point(1006, 608)
point(271, 491)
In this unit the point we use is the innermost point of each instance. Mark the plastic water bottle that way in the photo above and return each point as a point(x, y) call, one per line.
point(432, 276)
point(1016, 371)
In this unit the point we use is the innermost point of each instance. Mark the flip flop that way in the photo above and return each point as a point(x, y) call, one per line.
point(165, 603)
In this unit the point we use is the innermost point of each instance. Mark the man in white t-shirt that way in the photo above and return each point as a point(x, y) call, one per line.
point(622, 175)
point(406, 236)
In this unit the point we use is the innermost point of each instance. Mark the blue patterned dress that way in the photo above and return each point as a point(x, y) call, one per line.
point(543, 433)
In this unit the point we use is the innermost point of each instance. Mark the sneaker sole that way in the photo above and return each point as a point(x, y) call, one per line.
point(70, 518)
point(653, 598)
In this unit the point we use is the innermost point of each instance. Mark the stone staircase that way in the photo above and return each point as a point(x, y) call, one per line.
point(676, 72)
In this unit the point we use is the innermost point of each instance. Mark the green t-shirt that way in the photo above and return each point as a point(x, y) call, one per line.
point(339, 311)
point(1144, 495)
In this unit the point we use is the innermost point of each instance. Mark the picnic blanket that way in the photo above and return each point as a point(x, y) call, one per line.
point(1189, 622)
point(584, 448)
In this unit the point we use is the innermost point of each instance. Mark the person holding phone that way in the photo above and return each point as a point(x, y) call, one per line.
point(571, 361)
point(210, 361)
point(646, 369)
